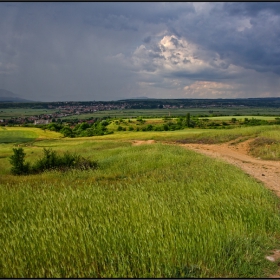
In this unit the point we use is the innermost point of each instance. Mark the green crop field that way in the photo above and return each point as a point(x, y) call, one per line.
point(151, 113)
point(23, 112)
point(228, 118)
point(147, 211)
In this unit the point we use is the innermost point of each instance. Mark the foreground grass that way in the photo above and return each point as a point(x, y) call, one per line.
point(172, 213)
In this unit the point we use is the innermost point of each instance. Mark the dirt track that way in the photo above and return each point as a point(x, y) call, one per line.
point(267, 171)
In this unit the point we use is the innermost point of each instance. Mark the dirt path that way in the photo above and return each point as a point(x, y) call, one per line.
point(142, 142)
point(267, 171)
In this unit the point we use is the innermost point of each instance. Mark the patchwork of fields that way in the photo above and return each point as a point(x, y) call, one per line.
point(147, 211)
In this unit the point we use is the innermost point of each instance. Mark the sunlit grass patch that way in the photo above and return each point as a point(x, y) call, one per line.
point(265, 148)
point(213, 136)
point(267, 144)
point(15, 136)
point(25, 134)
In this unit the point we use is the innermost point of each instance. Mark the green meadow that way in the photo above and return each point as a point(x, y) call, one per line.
point(149, 211)
point(23, 112)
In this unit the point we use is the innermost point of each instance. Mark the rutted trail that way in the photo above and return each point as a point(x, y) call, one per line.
point(267, 171)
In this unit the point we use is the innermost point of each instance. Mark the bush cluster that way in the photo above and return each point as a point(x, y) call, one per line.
point(50, 161)
point(99, 127)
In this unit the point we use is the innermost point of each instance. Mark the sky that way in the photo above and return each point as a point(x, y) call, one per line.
point(85, 51)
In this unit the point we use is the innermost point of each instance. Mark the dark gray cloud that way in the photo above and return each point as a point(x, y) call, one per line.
point(251, 8)
point(107, 50)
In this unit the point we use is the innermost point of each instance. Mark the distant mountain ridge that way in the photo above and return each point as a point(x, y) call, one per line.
point(8, 96)
point(137, 98)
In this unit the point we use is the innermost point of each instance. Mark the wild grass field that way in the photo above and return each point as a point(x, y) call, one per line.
point(147, 211)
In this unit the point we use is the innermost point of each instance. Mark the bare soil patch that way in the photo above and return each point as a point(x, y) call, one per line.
point(142, 142)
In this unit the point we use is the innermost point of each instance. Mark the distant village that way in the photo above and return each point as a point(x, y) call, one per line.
point(62, 110)
point(66, 110)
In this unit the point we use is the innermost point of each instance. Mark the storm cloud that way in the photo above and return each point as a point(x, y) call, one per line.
point(59, 51)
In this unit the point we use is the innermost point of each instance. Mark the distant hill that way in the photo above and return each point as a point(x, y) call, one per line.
point(137, 98)
point(8, 96)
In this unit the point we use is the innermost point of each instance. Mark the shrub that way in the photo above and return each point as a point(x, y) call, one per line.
point(67, 131)
point(149, 127)
point(50, 160)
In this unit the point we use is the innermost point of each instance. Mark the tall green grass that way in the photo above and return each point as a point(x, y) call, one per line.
point(148, 211)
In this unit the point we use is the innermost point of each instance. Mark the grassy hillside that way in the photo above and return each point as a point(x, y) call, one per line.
point(147, 211)
point(23, 134)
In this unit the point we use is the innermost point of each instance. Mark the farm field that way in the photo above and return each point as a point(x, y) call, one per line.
point(227, 118)
point(148, 210)
point(133, 113)
point(22, 112)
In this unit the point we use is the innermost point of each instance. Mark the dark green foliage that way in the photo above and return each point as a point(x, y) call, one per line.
point(149, 127)
point(17, 162)
point(99, 127)
point(54, 127)
point(67, 131)
point(50, 160)
point(253, 122)
point(165, 127)
point(84, 126)
point(140, 120)
point(188, 120)
point(120, 128)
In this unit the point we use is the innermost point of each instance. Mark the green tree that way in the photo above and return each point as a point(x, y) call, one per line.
point(67, 131)
point(17, 162)
point(188, 119)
